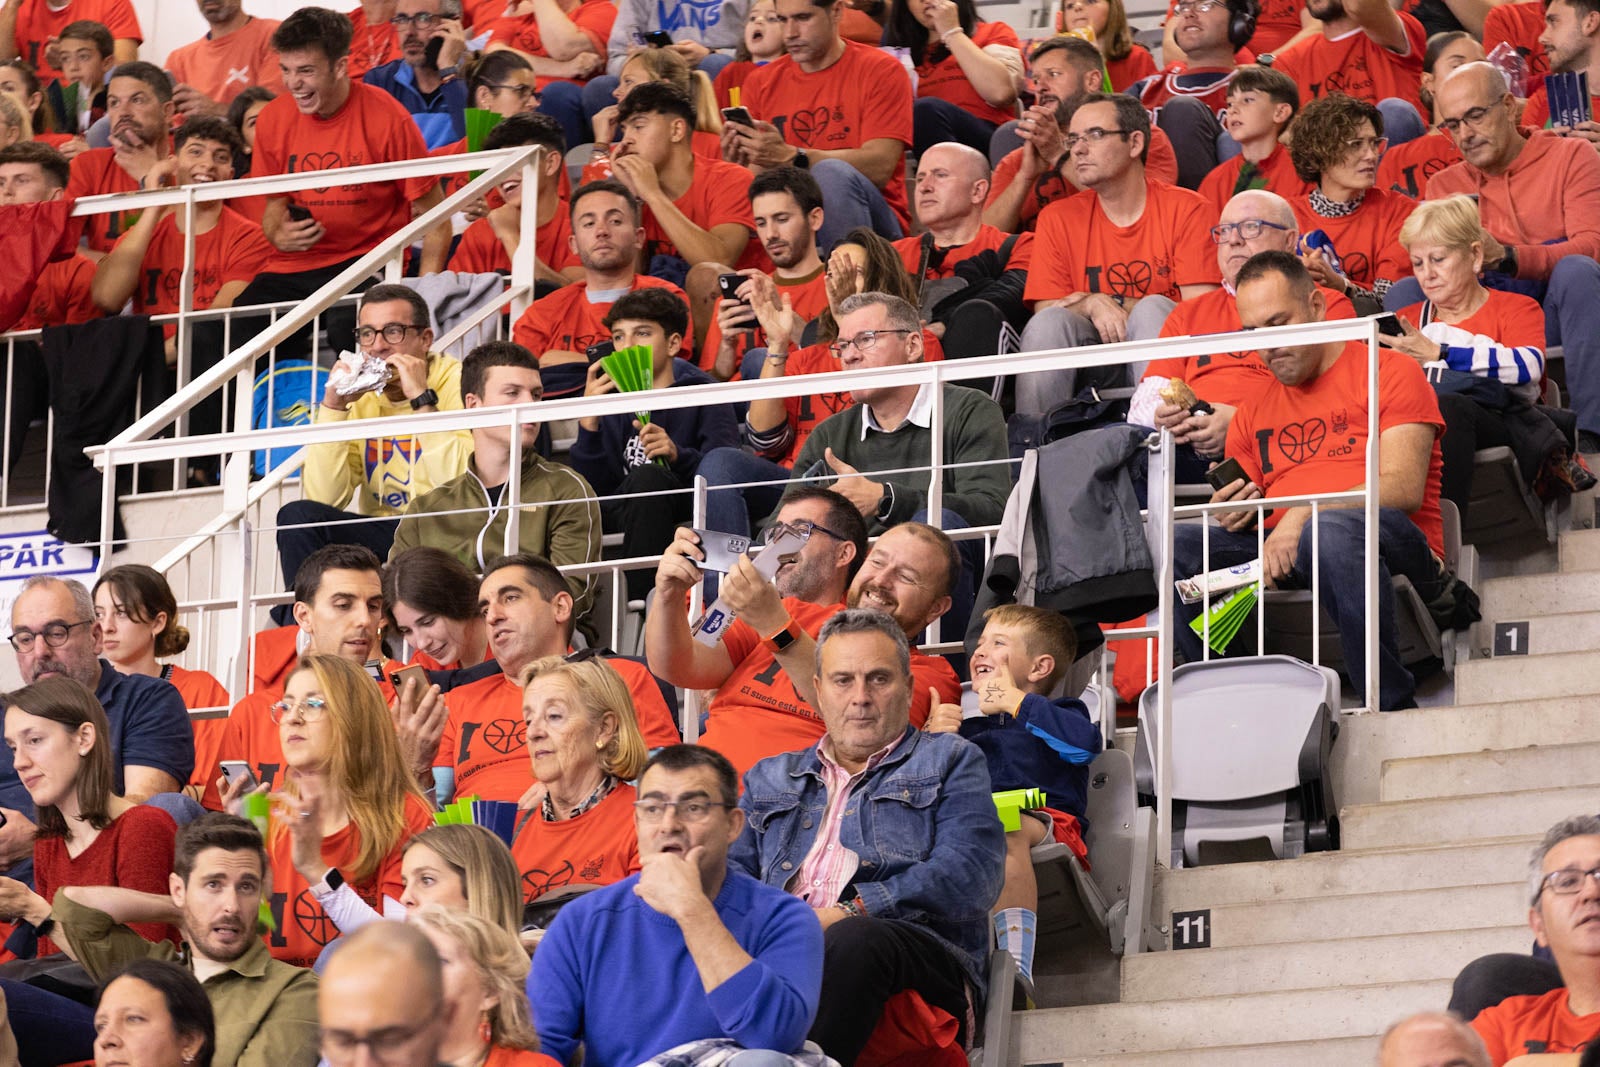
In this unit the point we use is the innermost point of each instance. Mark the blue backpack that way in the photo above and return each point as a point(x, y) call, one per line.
point(296, 389)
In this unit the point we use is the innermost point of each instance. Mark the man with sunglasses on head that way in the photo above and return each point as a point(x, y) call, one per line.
point(426, 78)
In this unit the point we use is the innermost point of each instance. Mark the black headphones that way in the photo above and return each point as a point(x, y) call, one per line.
point(1242, 15)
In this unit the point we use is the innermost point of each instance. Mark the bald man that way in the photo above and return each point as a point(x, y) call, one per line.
point(1432, 1039)
point(382, 988)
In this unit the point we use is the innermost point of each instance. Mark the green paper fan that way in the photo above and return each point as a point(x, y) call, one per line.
point(479, 123)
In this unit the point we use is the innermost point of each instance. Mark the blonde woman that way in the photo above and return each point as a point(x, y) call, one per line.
point(1126, 60)
point(662, 65)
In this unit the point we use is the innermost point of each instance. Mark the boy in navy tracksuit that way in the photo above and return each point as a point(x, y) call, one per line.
point(1030, 741)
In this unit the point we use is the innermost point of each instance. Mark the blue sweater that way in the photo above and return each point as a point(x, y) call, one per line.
point(1047, 745)
point(613, 975)
point(605, 456)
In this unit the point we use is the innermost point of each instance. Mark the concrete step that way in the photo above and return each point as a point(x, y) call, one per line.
point(1339, 1052)
point(1442, 820)
point(1527, 678)
point(1214, 1022)
point(1358, 961)
point(1324, 876)
point(1366, 741)
point(1406, 910)
point(1504, 599)
point(1580, 551)
point(1577, 631)
point(1498, 771)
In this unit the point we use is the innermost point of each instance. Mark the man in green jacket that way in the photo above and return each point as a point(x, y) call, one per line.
point(558, 516)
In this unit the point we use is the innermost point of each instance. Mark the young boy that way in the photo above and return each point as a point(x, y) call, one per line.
point(1261, 104)
point(86, 53)
point(623, 454)
point(1029, 741)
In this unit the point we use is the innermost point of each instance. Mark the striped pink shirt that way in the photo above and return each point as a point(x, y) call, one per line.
point(830, 866)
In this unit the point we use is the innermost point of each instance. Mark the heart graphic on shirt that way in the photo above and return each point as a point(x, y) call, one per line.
point(1299, 441)
point(320, 161)
point(1129, 279)
point(808, 126)
point(505, 736)
point(537, 883)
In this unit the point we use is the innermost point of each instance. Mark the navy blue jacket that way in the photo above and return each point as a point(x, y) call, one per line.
point(443, 121)
point(605, 456)
point(1046, 745)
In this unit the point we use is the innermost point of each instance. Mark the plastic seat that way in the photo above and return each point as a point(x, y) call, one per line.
point(1502, 505)
point(1250, 744)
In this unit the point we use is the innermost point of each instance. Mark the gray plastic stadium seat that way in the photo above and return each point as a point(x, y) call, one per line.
point(1502, 505)
point(1250, 742)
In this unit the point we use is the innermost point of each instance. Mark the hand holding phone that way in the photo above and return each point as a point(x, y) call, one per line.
point(298, 212)
point(1226, 473)
point(398, 678)
point(738, 116)
point(233, 770)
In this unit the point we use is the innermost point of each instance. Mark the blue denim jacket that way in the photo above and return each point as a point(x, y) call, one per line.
point(931, 846)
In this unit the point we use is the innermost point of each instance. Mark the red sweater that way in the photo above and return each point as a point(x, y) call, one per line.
point(134, 852)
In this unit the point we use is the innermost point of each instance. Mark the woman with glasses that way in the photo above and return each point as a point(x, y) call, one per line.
point(1407, 167)
point(154, 1013)
point(762, 43)
point(1349, 228)
point(1125, 60)
point(502, 82)
point(60, 745)
point(585, 747)
point(968, 71)
point(345, 809)
point(487, 1021)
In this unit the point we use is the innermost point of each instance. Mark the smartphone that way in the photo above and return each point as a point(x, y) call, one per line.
point(1389, 325)
point(1225, 473)
point(430, 55)
point(298, 212)
point(722, 550)
point(737, 115)
point(599, 350)
point(398, 678)
point(657, 38)
point(235, 769)
point(729, 284)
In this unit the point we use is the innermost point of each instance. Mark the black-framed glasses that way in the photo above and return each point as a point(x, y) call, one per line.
point(1567, 881)
point(804, 527)
point(863, 342)
point(55, 635)
point(1093, 135)
point(422, 20)
point(394, 332)
point(1247, 229)
point(311, 709)
point(1473, 118)
point(695, 809)
point(521, 92)
point(386, 1045)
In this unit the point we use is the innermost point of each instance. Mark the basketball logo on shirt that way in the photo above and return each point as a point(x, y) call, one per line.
point(1357, 267)
point(505, 736)
point(809, 127)
point(316, 161)
point(536, 883)
point(1299, 441)
point(311, 919)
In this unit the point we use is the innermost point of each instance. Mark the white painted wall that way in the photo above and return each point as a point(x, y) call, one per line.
point(170, 23)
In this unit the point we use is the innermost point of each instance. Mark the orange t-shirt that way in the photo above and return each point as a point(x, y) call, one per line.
point(1137, 64)
point(1367, 239)
point(1512, 319)
point(200, 690)
point(866, 95)
point(480, 251)
point(757, 713)
point(223, 67)
point(94, 172)
point(61, 295)
point(1527, 1026)
point(371, 127)
point(37, 22)
point(596, 848)
point(567, 321)
point(1313, 438)
point(593, 18)
point(304, 929)
point(718, 194)
point(500, 1056)
point(371, 46)
point(947, 81)
point(1086, 253)
point(1279, 20)
point(942, 264)
point(1049, 187)
point(808, 296)
point(1406, 168)
point(1519, 25)
point(1275, 173)
point(733, 76)
point(1358, 66)
point(234, 249)
point(486, 741)
point(1234, 378)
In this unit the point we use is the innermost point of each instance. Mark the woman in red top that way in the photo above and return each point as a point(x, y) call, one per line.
point(1107, 23)
point(431, 600)
point(487, 1021)
point(968, 72)
point(20, 81)
point(61, 745)
point(763, 42)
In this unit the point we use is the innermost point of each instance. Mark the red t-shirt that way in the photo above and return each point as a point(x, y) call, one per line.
point(1049, 187)
point(95, 172)
point(371, 127)
point(37, 22)
point(1519, 25)
point(371, 46)
point(1512, 319)
point(757, 713)
point(200, 690)
point(480, 251)
point(808, 297)
point(593, 18)
point(1358, 66)
point(718, 194)
point(1313, 438)
point(733, 76)
point(1234, 378)
point(61, 295)
point(1279, 20)
point(134, 852)
point(567, 321)
point(1275, 173)
point(486, 740)
point(1168, 84)
point(1081, 251)
point(989, 238)
point(1406, 168)
point(866, 95)
point(1136, 65)
point(500, 1056)
point(1367, 239)
point(223, 67)
point(304, 929)
point(596, 848)
point(233, 250)
point(1526, 1026)
point(1537, 113)
point(946, 80)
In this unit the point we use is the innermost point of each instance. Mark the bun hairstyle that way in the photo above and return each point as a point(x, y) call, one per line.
point(143, 593)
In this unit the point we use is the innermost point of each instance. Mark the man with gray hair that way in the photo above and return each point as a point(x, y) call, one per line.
point(912, 916)
point(426, 78)
point(1432, 1039)
point(55, 631)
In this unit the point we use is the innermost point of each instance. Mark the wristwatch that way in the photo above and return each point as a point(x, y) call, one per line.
point(450, 72)
point(886, 502)
point(330, 883)
point(425, 399)
point(1508, 263)
point(785, 637)
point(801, 160)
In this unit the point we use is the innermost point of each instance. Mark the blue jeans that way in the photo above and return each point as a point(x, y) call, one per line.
point(1402, 549)
point(49, 1028)
point(563, 101)
point(935, 121)
point(849, 200)
point(731, 506)
point(1401, 120)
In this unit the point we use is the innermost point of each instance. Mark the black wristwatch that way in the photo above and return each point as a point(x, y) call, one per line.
point(425, 399)
point(886, 502)
point(333, 880)
point(43, 929)
point(801, 160)
point(1508, 263)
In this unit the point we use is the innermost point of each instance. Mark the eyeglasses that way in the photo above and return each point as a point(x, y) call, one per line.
point(863, 342)
point(55, 635)
point(1361, 145)
point(394, 333)
point(1199, 7)
point(422, 20)
point(521, 92)
point(1473, 118)
point(387, 1044)
point(803, 527)
point(1093, 135)
point(1566, 881)
point(1247, 229)
point(311, 709)
point(695, 810)
point(1073, 5)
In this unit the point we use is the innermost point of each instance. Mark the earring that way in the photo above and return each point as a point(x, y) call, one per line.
point(599, 745)
point(485, 1031)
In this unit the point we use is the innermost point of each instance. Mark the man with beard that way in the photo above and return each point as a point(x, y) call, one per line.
point(139, 108)
point(1571, 42)
point(266, 1010)
point(762, 668)
point(1366, 50)
point(428, 86)
point(235, 53)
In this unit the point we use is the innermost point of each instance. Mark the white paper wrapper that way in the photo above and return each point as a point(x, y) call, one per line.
point(356, 373)
point(1219, 583)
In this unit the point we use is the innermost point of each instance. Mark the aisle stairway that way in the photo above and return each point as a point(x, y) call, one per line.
point(1310, 959)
